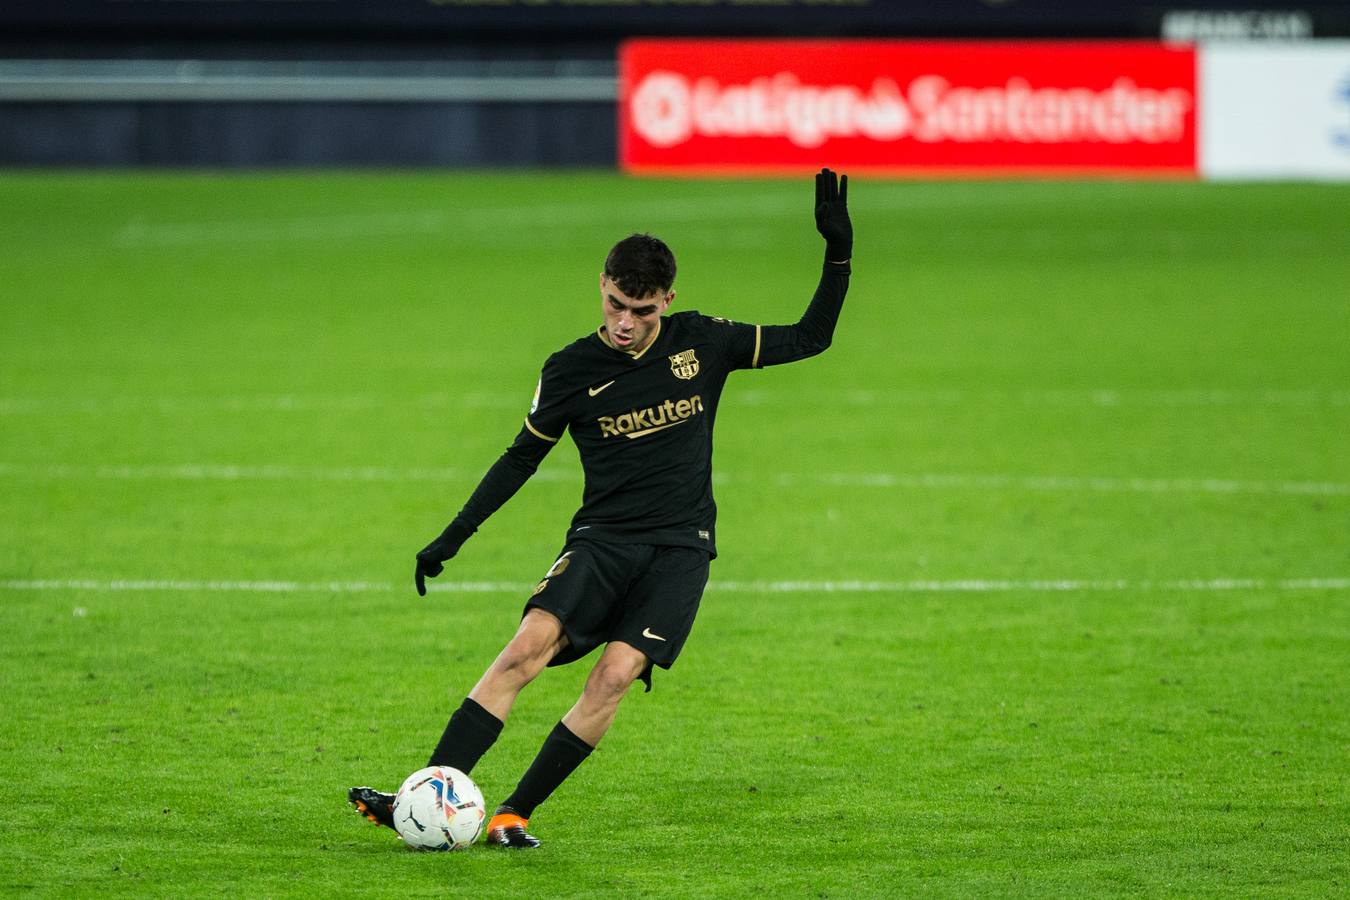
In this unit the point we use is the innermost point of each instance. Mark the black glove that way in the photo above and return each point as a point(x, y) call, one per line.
point(430, 557)
point(832, 216)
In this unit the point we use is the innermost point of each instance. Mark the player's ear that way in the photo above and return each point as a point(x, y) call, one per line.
point(670, 298)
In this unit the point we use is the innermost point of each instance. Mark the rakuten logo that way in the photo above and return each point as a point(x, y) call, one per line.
point(668, 108)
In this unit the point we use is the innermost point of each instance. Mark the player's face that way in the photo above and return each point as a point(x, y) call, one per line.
point(631, 322)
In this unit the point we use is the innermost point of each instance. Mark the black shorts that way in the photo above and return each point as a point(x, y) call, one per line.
point(641, 594)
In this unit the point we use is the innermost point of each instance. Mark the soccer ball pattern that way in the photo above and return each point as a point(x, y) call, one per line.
point(439, 808)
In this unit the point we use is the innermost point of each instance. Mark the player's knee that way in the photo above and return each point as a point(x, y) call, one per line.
point(525, 655)
point(610, 680)
point(607, 686)
point(521, 660)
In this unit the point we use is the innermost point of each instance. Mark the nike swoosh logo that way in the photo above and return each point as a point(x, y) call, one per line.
point(647, 633)
point(596, 390)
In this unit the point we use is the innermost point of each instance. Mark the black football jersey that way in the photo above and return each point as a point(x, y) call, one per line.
point(643, 423)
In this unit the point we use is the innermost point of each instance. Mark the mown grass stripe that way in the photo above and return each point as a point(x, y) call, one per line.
point(930, 480)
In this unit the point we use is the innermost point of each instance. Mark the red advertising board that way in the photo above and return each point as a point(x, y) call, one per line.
point(691, 107)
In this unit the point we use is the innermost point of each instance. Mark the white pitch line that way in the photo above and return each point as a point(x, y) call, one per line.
point(1067, 483)
point(1104, 397)
point(958, 586)
point(125, 403)
point(983, 586)
point(925, 481)
point(226, 472)
point(141, 232)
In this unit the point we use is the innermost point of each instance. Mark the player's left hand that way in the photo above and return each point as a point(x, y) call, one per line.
point(832, 219)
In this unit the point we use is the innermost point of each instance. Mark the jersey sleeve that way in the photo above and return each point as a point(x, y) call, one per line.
point(544, 426)
point(506, 476)
point(754, 346)
point(738, 341)
point(549, 412)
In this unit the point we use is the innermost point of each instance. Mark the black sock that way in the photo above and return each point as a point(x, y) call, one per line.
point(469, 734)
point(562, 752)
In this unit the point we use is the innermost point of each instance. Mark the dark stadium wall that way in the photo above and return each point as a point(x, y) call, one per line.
point(248, 135)
point(70, 98)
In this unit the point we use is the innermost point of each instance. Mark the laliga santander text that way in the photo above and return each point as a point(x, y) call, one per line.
point(909, 106)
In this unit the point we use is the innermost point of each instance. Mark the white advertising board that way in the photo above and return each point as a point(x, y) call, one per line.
point(1272, 111)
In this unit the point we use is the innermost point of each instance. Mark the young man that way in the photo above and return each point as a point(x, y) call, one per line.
point(639, 397)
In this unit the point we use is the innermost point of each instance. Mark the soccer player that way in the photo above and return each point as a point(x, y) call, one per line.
point(639, 396)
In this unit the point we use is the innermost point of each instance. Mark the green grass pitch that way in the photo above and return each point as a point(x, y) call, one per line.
point(1036, 583)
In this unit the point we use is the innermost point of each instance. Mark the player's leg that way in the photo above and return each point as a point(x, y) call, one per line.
point(570, 742)
point(655, 620)
point(539, 639)
point(593, 713)
point(475, 726)
point(579, 590)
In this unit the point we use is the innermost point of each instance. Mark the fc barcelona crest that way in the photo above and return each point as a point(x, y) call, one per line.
point(684, 365)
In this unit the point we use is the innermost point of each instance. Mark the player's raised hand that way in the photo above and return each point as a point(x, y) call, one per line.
point(832, 219)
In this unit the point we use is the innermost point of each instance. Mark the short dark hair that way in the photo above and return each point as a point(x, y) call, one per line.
point(641, 265)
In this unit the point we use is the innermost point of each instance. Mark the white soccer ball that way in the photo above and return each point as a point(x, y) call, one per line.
point(439, 808)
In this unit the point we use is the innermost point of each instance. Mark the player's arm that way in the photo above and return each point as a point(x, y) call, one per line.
point(506, 476)
point(753, 346)
point(548, 417)
point(812, 334)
